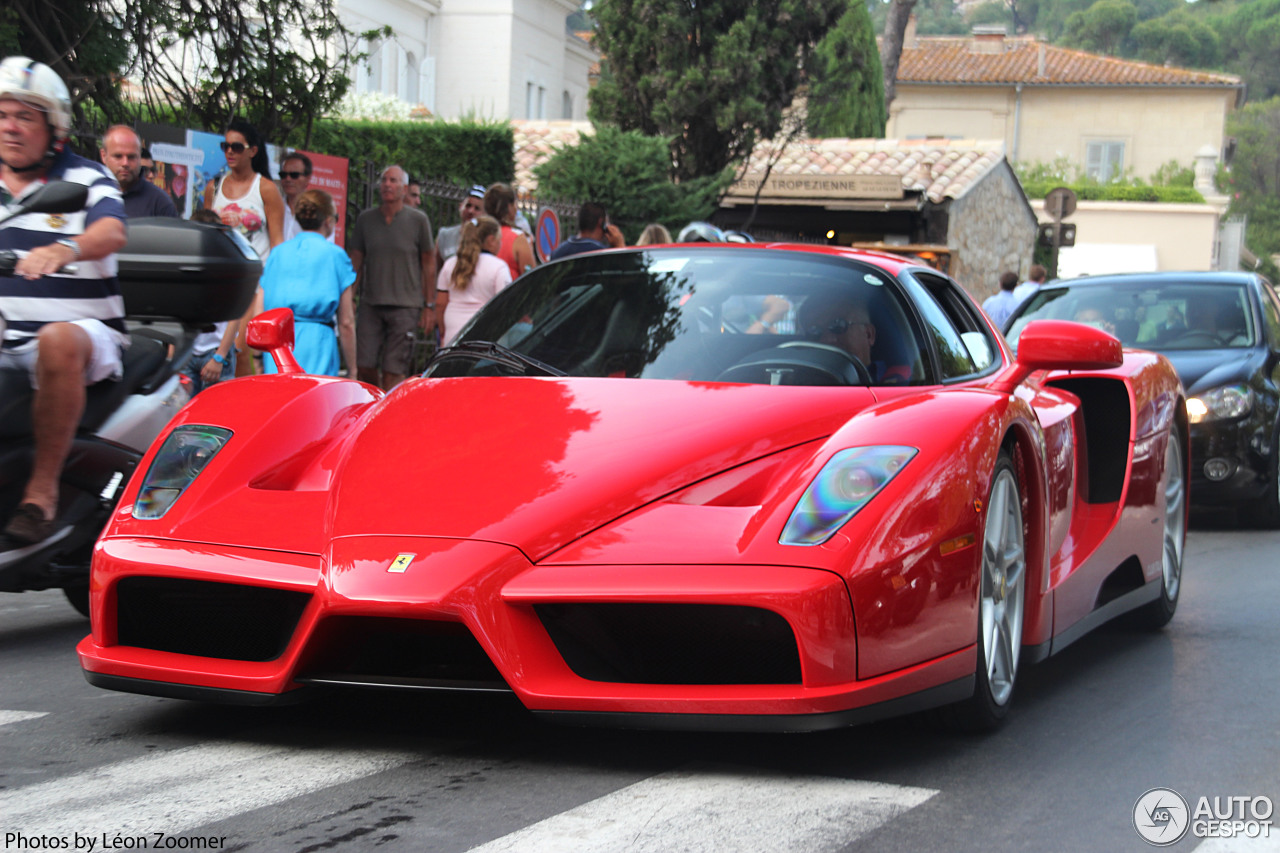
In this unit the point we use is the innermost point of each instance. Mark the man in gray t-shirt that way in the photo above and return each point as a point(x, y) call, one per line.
point(395, 262)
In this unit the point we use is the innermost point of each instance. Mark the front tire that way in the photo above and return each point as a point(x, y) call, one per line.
point(1001, 606)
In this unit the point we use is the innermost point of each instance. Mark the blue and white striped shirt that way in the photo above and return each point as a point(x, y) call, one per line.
point(92, 291)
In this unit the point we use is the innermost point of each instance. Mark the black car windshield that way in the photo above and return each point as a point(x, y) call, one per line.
point(762, 316)
point(1160, 317)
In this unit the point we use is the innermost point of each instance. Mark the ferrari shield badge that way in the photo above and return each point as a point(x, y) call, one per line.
point(401, 563)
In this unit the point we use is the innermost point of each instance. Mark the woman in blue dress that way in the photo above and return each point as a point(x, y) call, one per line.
point(313, 277)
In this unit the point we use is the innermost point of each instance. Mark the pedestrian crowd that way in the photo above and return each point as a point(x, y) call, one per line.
point(365, 306)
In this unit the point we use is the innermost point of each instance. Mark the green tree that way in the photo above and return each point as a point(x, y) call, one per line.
point(991, 12)
point(712, 77)
point(846, 86)
point(1179, 39)
point(80, 40)
point(1250, 38)
point(279, 63)
point(629, 173)
point(1254, 178)
point(1103, 27)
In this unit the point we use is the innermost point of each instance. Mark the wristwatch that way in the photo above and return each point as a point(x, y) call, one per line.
point(220, 359)
point(70, 244)
point(431, 305)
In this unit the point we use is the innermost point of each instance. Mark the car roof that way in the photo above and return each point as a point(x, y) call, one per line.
point(887, 261)
point(1149, 279)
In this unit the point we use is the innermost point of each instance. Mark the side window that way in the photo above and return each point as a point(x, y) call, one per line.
point(964, 347)
point(1271, 316)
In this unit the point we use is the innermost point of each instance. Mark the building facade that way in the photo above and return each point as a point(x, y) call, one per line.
point(482, 59)
point(1106, 116)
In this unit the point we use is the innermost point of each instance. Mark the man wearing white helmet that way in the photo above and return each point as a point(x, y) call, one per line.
point(65, 328)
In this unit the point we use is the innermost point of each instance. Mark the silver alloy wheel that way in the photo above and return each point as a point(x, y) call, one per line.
point(1004, 570)
point(1175, 515)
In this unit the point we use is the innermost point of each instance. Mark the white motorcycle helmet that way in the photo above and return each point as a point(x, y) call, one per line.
point(700, 232)
point(35, 83)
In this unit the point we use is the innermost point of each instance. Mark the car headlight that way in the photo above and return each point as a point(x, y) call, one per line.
point(182, 457)
point(848, 481)
point(1229, 401)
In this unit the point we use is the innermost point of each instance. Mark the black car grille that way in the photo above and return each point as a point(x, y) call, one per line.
point(673, 643)
point(397, 652)
point(206, 618)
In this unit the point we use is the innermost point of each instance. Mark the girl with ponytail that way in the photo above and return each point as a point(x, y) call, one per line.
point(470, 278)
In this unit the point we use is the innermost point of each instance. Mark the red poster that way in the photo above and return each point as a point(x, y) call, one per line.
point(330, 174)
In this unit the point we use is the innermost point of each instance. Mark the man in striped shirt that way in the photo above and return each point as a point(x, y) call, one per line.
point(66, 329)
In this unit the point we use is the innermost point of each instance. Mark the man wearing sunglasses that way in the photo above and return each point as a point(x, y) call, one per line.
point(295, 179)
point(842, 320)
point(121, 152)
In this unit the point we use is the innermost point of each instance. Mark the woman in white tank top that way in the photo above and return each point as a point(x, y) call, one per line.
point(242, 199)
point(252, 206)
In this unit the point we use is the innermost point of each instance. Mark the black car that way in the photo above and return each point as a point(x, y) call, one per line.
point(1221, 330)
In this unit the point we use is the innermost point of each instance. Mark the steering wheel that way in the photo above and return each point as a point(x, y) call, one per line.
point(864, 375)
point(799, 363)
point(1193, 336)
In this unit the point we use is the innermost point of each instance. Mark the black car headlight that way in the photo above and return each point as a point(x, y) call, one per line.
point(1229, 401)
point(182, 457)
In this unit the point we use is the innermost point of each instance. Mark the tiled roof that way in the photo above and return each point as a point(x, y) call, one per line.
point(536, 141)
point(1025, 60)
point(937, 168)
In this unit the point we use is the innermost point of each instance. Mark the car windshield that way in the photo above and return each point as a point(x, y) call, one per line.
point(1158, 317)
point(709, 314)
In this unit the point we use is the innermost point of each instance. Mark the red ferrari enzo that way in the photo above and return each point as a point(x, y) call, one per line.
point(770, 487)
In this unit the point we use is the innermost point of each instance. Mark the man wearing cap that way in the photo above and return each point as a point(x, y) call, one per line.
point(121, 152)
point(448, 238)
point(64, 328)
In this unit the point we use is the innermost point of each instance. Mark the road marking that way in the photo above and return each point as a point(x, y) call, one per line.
point(7, 717)
point(708, 809)
point(178, 790)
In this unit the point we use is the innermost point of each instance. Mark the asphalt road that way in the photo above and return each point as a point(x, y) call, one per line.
point(1194, 708)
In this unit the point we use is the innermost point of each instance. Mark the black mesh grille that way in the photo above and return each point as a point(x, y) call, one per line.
point(673, 643)
point(217, 620)
point(410, 651)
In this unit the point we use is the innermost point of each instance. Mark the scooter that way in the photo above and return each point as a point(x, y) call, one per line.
point(177, 279)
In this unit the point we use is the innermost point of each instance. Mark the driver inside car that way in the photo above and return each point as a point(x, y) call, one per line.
point(843, 321)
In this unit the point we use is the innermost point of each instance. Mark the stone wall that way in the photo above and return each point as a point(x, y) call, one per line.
point(991, 229)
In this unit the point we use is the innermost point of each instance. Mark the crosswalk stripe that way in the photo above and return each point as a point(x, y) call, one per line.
point(7, 717)
point(178, 790)
point(694, 810)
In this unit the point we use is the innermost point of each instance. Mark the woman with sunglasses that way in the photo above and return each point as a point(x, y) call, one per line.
point(247, 200)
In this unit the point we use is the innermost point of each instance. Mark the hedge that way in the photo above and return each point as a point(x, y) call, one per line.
point(1118, 192)
point(462, 152)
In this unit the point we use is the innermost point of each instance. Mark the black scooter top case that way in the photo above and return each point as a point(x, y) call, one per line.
point(189, 271)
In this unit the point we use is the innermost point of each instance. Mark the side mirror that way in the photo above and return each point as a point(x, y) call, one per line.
point(272, 332)
point(53, 197)
point(1060, 345)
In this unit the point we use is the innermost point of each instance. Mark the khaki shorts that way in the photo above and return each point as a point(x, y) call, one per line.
point(384, 337)
point(104, 362)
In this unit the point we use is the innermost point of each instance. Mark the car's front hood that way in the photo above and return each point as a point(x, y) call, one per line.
point(537, 463)
point(1203, 370)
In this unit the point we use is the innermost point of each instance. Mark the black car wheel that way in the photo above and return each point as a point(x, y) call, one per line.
point(1266, 512)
